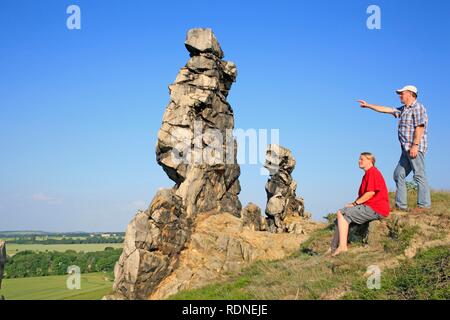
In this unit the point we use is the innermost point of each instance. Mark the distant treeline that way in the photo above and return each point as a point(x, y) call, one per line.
point(95, 239)
point(36, 264)
point(28, 234)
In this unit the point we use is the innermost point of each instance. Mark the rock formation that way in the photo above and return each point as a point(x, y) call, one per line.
point(192, 233)
point(197, 150)
point(252, 218)
point(195, 145)
point(282, 201)
point(221, 244)
point(153, 241)
point(2, 262)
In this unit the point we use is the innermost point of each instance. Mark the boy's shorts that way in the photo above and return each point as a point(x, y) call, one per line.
point(360, 214)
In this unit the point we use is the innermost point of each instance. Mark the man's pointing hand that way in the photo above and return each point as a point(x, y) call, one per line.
point(363, 104)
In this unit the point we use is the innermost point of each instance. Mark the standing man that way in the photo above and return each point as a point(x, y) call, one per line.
point(412, 133)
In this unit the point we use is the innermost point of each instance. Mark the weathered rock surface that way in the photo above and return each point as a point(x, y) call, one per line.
point(197, 150)
point(203, 41)
point(282, 201)
point(153, 241)
point(220, 244)
point(193, 233)
point(196, 147)
point(252, 218)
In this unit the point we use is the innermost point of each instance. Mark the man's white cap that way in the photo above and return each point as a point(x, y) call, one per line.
point(407, 88)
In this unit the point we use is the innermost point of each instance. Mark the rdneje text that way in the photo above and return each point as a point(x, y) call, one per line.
point(249, 309)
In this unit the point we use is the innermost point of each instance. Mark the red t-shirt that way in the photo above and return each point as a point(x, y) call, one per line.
point(373, 181)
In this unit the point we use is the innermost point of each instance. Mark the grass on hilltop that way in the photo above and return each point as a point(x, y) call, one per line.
point(425, 277)
point(309, 274)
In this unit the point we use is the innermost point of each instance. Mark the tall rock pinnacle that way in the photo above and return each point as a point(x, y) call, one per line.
point(195, 144)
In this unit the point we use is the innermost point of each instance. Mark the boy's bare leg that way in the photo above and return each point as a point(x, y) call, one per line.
point(343, 234)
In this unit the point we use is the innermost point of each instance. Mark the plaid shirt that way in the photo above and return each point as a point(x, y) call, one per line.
point(410, 118)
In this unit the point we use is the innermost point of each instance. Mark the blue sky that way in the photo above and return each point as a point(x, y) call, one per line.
point(80, 109)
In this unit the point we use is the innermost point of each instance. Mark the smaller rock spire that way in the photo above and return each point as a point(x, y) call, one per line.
point(282, 201)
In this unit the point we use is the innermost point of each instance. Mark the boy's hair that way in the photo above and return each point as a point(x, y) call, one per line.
point(369, 156)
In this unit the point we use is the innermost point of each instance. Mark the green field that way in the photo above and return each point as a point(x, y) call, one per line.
point(13, 248)
point(40, 238)
point(93, 287)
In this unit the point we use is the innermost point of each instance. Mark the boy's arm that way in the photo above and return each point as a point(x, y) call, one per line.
point(365, 197)
point(364, 104)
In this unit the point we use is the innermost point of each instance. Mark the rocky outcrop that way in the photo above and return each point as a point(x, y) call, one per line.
point(221, 244)
point(196, 147)
point(2, 262)
point(153, 241)
point(197, 150)
point(193, 233)
point(252, 218)
point(282, 201)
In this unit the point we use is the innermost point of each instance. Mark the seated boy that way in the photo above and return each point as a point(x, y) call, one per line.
point(372, 203)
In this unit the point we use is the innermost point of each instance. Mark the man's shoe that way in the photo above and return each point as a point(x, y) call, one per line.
point(419, 210)
point(401, 209)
